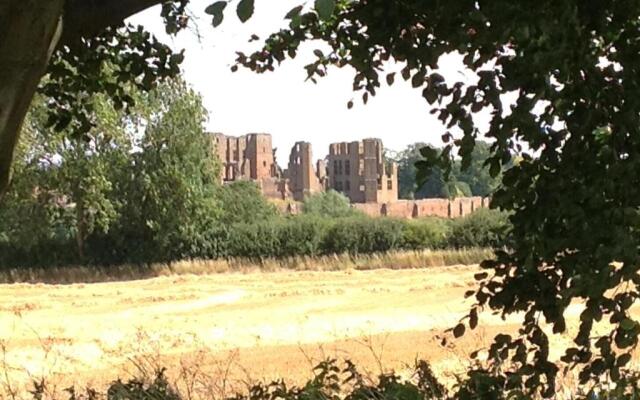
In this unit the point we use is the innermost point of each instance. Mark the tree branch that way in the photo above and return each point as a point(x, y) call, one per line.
point(86, 18)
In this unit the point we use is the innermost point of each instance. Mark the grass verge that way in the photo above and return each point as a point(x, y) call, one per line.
point(338, 262)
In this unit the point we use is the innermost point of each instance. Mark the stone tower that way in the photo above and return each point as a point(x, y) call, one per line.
point(302, 177)
point(360, 171)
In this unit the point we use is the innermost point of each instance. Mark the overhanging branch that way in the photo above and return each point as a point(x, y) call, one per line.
point(86, 18)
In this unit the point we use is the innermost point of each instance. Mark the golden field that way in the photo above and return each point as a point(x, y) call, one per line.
point(216, 333)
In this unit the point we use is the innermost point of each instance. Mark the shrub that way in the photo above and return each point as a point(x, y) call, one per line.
point(270, 237)
point(426, 233)
point(483, 228)
point(242, 202)
point(328, 204)
point(302, 236)
point(364, 235)
point(258, 240)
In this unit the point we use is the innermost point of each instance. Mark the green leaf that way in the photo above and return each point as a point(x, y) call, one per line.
point(245, 9)
point(473, 318)
point(294, 12)
point(391, 78)
point(458, 331)
point(325, 8)
point(418, 79)
point(627, 324)
point(481, 276)
point(430, 95)
point(217, 11)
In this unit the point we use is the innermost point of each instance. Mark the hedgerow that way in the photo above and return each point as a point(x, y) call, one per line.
point(277, 237)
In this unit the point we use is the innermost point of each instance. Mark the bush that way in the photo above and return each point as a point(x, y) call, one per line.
point(364, 235)
point(329, 204)
point(258, 240)
point(302, 236)
point(268, 237)
point(242, 202)
point(483, 228)
point(426, 233)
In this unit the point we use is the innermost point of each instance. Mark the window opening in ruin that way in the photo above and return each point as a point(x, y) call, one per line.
point(389, 184)
point(347, 186)
point(379, 184)
point(335, 167)
point(347, 168)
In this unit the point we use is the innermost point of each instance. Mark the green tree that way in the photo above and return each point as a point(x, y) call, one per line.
point(473, 181)
point(570, 69)
point(477, 175)
point(171, 190)
point(66, 184)
point(242, 202)
point(329, 204)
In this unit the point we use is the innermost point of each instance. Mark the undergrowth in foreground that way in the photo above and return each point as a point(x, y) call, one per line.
point(333, 380)
point(336, 262)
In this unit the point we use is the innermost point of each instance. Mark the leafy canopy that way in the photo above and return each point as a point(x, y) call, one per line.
point(572, 69)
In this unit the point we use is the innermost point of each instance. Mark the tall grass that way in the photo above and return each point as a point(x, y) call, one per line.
point(337, 262)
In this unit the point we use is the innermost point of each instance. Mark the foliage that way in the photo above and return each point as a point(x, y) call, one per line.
point(171, 191)
point(428, 232)
point(130, 190)
point(570, 70)
point(364, 235)
point(474, 181)
point(330, 204)
point(483, 228)
point(66, 184)
point(242, 201)
point(343, 380)
point(276, 238)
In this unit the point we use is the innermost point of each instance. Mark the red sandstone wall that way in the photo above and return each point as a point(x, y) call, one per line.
point(400, 209)
point(370, 209)
point(424, 208)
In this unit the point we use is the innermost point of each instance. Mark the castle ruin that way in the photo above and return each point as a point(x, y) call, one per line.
point(248, 157)
point(302, 179)
point(359, 171)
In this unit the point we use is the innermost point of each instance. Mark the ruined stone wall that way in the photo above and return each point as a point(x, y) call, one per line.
point(359, 171)
point(245, 157)
point(232, 154)
point(260, 152)
point(443, 208)
point(303, 180)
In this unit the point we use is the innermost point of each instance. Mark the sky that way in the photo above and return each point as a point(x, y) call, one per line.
point(282, 103)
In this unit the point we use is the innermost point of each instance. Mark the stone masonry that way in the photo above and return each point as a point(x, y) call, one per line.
point(360, 171)
point(357, 169)
point(248, 157)
point(302, 179)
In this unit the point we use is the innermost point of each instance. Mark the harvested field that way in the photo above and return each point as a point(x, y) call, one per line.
point(236, 327)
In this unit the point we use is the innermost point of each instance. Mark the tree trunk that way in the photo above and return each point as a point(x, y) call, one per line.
point(29, 32)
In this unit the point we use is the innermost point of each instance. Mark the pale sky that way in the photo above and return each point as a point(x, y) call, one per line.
point(282, 103)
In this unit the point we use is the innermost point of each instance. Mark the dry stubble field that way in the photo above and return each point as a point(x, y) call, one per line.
point(234, 327)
